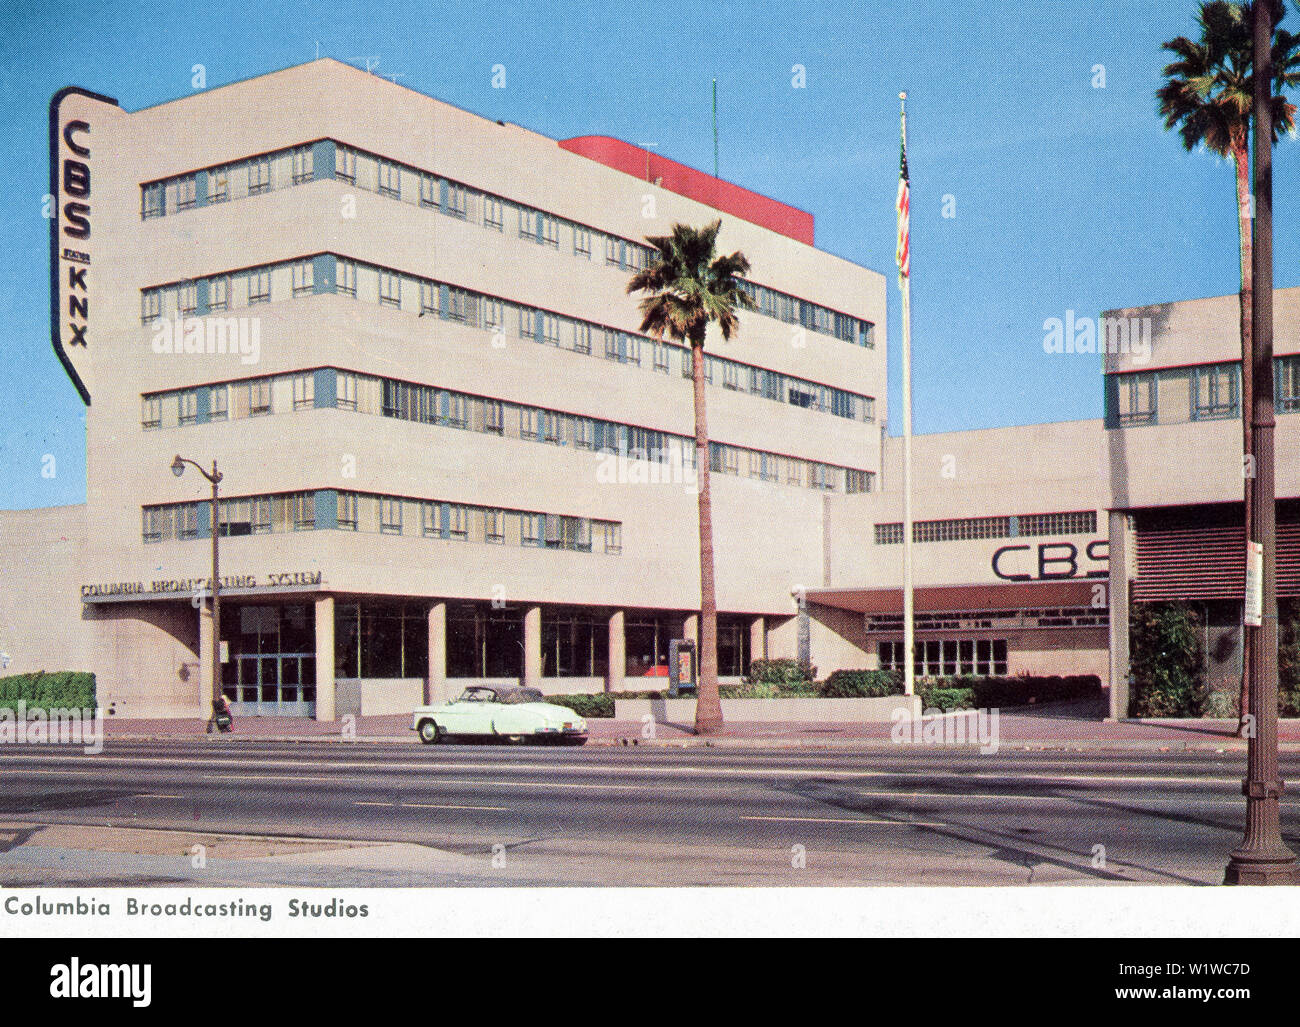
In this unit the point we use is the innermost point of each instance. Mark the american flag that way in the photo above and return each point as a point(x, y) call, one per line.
point(903, 255)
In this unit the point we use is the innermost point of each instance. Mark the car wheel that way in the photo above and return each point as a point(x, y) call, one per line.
point(430, 733)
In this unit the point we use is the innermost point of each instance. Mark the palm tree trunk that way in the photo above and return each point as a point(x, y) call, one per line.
point(1245, 229)
point(708, 705)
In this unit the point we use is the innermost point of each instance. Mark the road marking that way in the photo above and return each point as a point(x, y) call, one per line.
point(832, 820)
point(157, 795)
point(431, 805)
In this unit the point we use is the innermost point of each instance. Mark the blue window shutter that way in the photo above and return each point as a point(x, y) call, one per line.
point(444, 520)
point(200, 188)
point(327, 509)
point(442, 194)
point(322, 159)
point(1015, 526)
point(325, 389)
point(202, 408)
point(201, 297)
point(324, 267)
point(205, 520)
point(444, 296)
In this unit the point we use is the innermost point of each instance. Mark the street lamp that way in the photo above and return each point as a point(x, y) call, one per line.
point(1263, 857)
point(178, 468)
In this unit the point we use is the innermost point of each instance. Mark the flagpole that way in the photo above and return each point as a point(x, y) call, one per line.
point(905, 284)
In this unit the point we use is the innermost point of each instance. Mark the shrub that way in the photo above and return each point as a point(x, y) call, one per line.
point(783, 673)
point(1167, 661)
point(862, 684)
point(590, 707)
point(64, 689)
point(990, 692)
point(945, 699)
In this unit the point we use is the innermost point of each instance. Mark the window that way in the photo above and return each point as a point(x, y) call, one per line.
point(304, 391)
point(259, 286)
point(345, 164)
point(428, 297)
point(457, 201)
point(1083, 522)
point(730, 376)
point(218, 185)
point(187, 521)
point(301, 162)
point(259, 398)
point(219, 293)
point(303, 507)
point(612, 537)
point(259, 176)
point(346, 385)
point(1287, 388)
point(493, 213)
point(429, 526)
point(157, 523)
point(218, 403)
point(150, 306)
point(462, 306)
point(153, 201)
point(261, 515)
point(1137, 398)
point(1214, 392)
point(390, 180)
point(345, 277)
point(303, 278)
point(572, 533)
point(457, 522)
point(532, 527)
point(494, 526)
point(390, 289)
point(857, 481)
point(889, 534)
point(494, 417)
point(151, 412)
point(582, 241)
point(428, 191)
point(551, 329)
point(347, 519)
point(390, 516)
point(581, 337)
point(187, 297)
point(661, 351)
point(494, 314)
point(186, 193)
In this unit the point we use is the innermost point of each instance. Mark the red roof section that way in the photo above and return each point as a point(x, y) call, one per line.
point(696, 185)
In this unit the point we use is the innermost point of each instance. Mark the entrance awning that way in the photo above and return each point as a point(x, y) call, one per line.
point(1010, 595)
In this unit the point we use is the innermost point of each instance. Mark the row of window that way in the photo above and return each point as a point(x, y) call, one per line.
point(388, 515)
point(1205, 392)
point(328, 273)
point(948, 657)
point(1082, 522)
point(986, 620)
point(329, 387)
point(329, 159)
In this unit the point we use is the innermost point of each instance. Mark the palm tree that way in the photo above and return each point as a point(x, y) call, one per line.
point(1208, 96)
point(688, 287)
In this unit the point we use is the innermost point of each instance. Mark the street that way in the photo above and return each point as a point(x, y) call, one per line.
point(216, 812)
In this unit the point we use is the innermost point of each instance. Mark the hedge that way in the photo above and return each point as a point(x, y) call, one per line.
point(862, 684)
point(946, 699)
point(784, 673)
point(63, 689)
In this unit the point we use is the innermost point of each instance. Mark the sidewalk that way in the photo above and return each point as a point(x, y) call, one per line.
point(1065, 728)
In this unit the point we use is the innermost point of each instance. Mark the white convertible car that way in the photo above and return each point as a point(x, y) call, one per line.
point(500, 712)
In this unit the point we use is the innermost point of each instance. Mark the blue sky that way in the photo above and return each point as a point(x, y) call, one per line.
point(1068, 197)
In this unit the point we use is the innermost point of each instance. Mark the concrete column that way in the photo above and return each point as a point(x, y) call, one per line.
point(757, 639)
point(203, 697)
point(1118, 587)
point(435, 681)
point(533, 647)
point(617, 653)
point(325, 658)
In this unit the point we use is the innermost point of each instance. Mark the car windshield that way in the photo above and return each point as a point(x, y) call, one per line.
point(477, 695)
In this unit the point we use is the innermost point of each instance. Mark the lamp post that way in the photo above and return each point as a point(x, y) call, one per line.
point(1263, 857)
point(178, 468)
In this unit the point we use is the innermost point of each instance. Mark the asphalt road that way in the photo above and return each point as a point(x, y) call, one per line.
point(462, 815)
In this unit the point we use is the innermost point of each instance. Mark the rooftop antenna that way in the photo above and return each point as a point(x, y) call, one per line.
point(370, 68)
point(715, 128)
point(318, 49)
point(647, 147)
point(395, 76)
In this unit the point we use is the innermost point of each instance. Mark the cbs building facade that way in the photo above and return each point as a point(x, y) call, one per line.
point(448, 454)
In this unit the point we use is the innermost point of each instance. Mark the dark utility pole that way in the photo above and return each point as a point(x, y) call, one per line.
point(178, 468)
point(1262, 857)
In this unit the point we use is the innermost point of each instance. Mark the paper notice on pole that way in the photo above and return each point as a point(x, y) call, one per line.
point(1254, 612)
